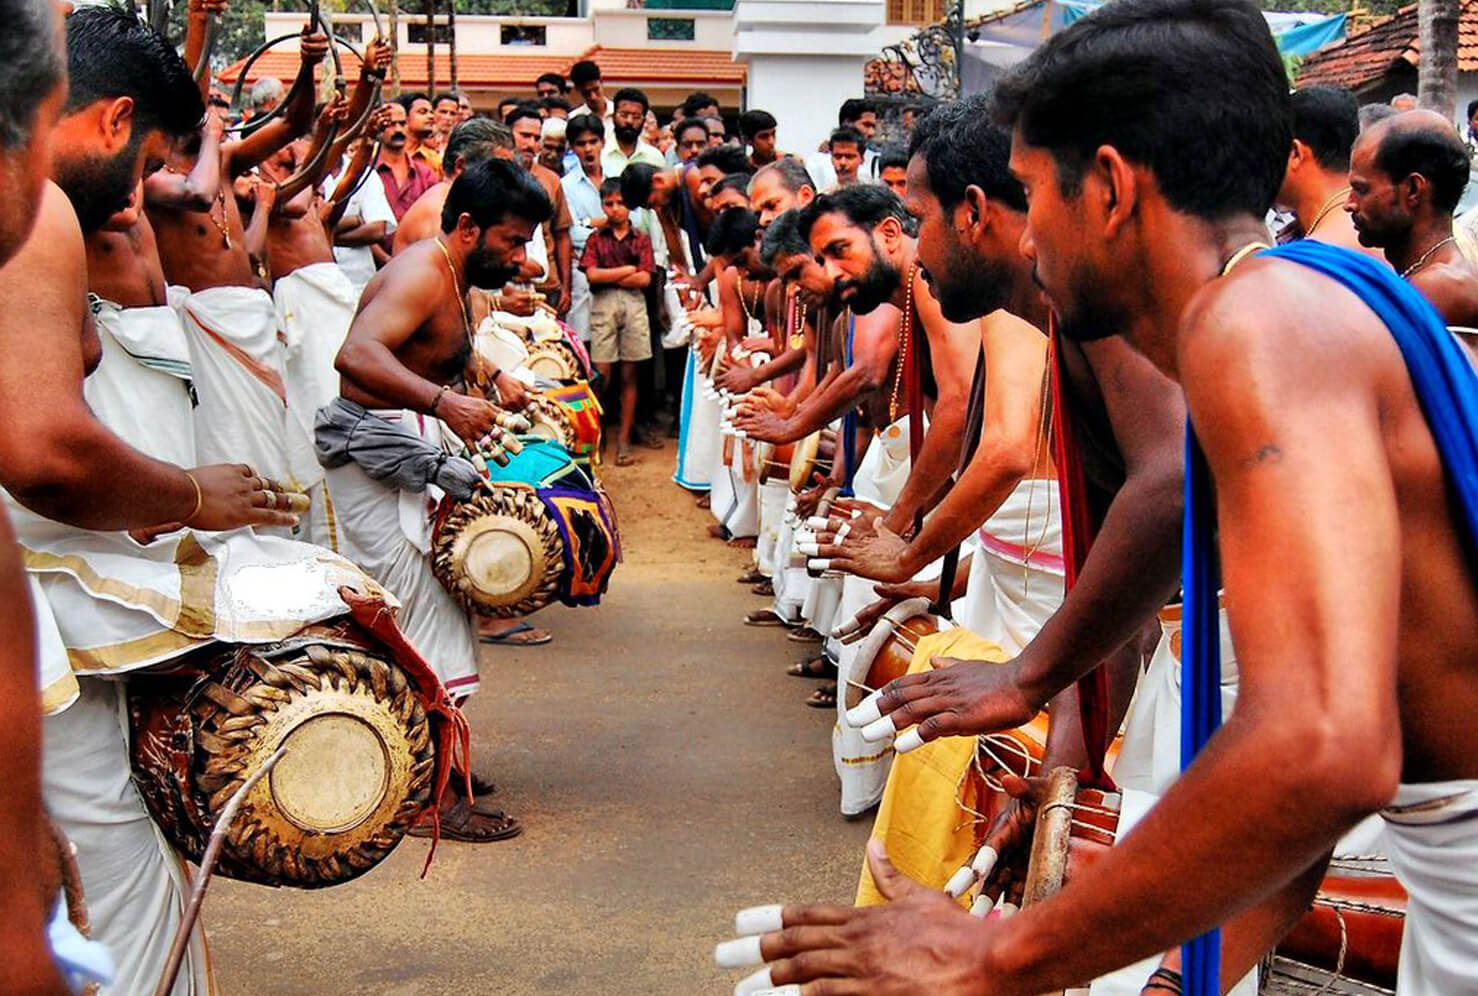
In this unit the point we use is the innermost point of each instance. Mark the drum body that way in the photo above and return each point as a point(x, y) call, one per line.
point(812, 455)
point(569, 415)
point(773, 461)
point(555, 359)
point(357, 773)
point(540, 530)
point(893, 657)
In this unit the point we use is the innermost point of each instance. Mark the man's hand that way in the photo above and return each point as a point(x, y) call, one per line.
point(214, 125)
point(379, 120)
point(511, 391)
point(376, 58)
point(738, 379)
point(877, 554)
point(517, 301)
point(763, 425)
point(335, 112)
point(919, 942)
point(559, 301)
point(889, 595)
point(470, 418)
point(956, 699)
point(232, 495)
point(312, 46)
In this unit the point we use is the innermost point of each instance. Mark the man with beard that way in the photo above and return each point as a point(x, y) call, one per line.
point(1406, 176)
point(1326, 121)
point(420, 128)
point(130, 96)
point(408, 352)
point(627, 121)
point(230, 320)
point(1356, 632)
point(405, 178)
point(528, 131)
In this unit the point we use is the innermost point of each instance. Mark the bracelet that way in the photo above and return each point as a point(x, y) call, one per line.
point(199, 499)
point(1166, 979)
point(436, 402)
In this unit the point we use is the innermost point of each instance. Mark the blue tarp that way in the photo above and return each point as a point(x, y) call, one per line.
point(1296, 34)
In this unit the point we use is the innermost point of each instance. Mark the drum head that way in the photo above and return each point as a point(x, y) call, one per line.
point(500, 559)
point(499, 553)
point(803, 462)
point(553, 360)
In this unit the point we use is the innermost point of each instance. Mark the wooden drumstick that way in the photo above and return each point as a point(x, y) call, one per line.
point(1048, 864)
point(298, 503)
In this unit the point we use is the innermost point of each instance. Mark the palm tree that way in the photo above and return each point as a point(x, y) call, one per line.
point(1437, 67)
point(431, 46)
point(451, 41)
point(394, 28)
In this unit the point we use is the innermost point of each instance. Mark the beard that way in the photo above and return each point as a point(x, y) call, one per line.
point(1086, 316)
point(966, 293)
point(485, 271)
point(626, 135)
point(98, 187)
point(873, 289)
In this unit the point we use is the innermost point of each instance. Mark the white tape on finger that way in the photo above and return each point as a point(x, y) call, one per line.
point(865, 712)
point(741, 953)
point(758, 920)
point(910, 740)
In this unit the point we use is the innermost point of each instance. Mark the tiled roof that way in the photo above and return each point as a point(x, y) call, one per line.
point(618, 66)
point(1387, 43)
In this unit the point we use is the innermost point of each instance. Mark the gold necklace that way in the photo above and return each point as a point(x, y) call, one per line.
point(1334, 201)
point(221, 226)
point(462, 303)
point(905, 341)
point(1242, 254)
point(748, 314)
point(1426, 256)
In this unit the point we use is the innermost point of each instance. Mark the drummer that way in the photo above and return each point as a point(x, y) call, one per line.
point(403, 370)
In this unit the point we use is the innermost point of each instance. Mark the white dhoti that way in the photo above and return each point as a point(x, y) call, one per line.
point(1431, 837)
point(774, 496)
point(792, 583)
point(698, 436)
point(1016, 570)
point(141, 390)
point(388, 533)
point(238, 364)
point(578, 317)
point(734, 494)
point(134, 882)
point(315, 305)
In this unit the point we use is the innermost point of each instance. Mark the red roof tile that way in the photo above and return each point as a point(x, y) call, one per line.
point(1387, 43)
point(618, 65)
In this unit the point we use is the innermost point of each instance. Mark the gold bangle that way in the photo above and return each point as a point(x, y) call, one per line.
point(199, 498)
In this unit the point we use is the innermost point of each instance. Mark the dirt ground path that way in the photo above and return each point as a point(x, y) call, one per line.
point(666, 772)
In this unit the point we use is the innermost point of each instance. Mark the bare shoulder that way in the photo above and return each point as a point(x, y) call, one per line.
point(413, 280)
point(55, 241)
point(880, 324)
point(1452, 288)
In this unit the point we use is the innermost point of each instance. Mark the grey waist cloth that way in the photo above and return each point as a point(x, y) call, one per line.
point(345, 431)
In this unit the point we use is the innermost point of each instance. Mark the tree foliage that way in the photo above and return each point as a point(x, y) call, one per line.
point(1375, 7)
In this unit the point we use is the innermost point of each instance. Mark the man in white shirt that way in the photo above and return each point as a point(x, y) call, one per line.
point(586, 136)
point(585, 80)
point(861, 115)
point(624, 145)
point(366, 227)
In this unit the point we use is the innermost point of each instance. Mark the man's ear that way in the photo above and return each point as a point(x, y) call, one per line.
point(973, 213)
point(890, 230)
point(1116, 187)
point(1411, 189)
point(115, 123)
point(467, 231)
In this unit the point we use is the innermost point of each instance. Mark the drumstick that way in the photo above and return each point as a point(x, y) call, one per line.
point(207, 867)
point(1048, 864)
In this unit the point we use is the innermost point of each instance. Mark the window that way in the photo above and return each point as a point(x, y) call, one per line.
point(352, 30)
point(416, 33)
point(522, 34)
point(670, 29)
point(915, 11)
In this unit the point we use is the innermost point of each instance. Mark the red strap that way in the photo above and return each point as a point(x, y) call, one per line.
point(1078, 532)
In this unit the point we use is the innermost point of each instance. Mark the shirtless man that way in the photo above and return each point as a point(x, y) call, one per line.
point(406, 356)
point(1326, 122)
point(130, 98)
point(528, 137)
point(1366, 621)
point(1406, 177)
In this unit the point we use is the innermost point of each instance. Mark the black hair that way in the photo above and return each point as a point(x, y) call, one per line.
point(962, 148)
point(732, 232)
point(584, 72)
point(492, 191)
point(520, 111)
point(406, 100)
point(631, 95)
point(112, 53)
point(474, 141)
point(1432, 151)
point(866, 205)
point(849, 135)
point(550, 103)
point(685, 124)
point(29, 66)
point(792, 173)
point(1327, 120)
point(1472, 108)
point(891, 157)
point(584, 124)
point(636, 184)
point(751, 123)
point(784, 238)
point(732, 181)
point(451, 95)
point(729, 158)
point(853, 109)
point(509, 102)
point(613, 185)
point(554, 78)
point(696, 101)
point(1194, 90)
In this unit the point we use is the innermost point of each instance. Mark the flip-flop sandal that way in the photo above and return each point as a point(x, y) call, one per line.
point(804, 634)
point(751, 577)
point(470, 826)
point(765, 588)
point(506, 638)
point(625, 458)
point(827, 671)
point(764, 617)
point(824, 697)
